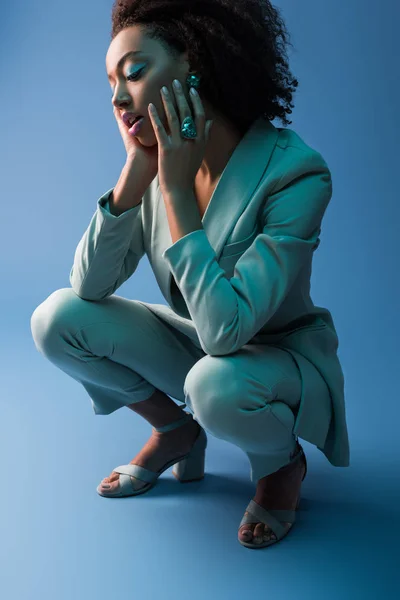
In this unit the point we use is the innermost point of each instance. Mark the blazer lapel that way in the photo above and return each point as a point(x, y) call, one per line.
point(240, 178)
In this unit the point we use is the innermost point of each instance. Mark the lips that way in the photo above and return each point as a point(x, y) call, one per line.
point(130, 118)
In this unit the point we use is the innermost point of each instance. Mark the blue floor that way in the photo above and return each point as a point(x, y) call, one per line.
point(61, 540)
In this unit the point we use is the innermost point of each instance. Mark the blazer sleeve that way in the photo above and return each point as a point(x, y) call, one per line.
point(228, 313)
point(109, 251)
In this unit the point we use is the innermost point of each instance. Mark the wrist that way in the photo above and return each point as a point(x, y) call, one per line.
point(130, 157)
point(178, 193)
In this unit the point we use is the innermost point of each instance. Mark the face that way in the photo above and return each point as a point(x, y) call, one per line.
point(139, 79)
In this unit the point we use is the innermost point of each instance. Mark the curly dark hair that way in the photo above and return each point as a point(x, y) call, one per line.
point(238, 47)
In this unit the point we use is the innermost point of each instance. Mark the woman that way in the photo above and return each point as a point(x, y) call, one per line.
point(229, 218)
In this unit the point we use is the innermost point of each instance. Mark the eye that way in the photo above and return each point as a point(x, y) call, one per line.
point(134, 76)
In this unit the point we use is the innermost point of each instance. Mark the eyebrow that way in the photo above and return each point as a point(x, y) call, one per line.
point(124, 58)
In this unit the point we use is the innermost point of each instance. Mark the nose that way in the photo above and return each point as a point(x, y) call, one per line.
point(120, 103)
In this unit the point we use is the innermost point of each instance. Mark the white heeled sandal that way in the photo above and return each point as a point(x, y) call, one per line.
point(189, 467)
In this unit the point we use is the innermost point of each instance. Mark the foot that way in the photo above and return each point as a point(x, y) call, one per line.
point(158, 450)
point(277, 491)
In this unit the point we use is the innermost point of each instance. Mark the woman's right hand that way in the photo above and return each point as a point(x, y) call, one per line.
point(146, 157)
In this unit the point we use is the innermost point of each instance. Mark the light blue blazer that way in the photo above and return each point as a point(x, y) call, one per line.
point(243, 278)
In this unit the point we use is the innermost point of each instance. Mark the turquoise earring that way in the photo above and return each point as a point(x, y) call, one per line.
point(193, 80)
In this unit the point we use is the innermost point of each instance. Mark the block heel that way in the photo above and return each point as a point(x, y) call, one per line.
point(191, 468)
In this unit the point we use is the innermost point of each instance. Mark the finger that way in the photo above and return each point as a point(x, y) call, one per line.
point(199, 112)
point(158, 127)
point(180, 98)
point(172, 117)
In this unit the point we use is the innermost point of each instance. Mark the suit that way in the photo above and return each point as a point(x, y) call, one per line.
point(245, 277)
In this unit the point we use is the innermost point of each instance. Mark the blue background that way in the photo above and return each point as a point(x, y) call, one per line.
point(60, 150)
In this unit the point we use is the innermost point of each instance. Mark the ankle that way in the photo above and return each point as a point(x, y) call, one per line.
point(296, 451)
point(186, 428)
point(158, 410)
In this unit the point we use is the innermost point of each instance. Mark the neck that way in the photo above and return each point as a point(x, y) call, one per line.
point(220, 147)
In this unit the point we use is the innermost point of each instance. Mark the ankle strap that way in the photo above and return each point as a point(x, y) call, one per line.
point(175, 424)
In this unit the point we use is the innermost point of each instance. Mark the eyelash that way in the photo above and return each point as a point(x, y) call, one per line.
point(136, 74)
point(132, 77)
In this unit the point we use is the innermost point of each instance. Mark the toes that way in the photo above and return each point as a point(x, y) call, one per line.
point(246, 532)
point(110, 484)
point(256, 533)
point(268, 534)
point(259, 530)
point(113, 477)
point(246, 535)
point(263, 533)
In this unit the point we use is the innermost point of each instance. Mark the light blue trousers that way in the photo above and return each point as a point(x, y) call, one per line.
point(121, 353)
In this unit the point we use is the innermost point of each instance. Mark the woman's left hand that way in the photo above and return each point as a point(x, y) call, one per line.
point(179, 159)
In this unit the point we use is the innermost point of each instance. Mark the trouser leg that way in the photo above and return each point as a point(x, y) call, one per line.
point(159, 410)
point(116, 348)
point(249, 399)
